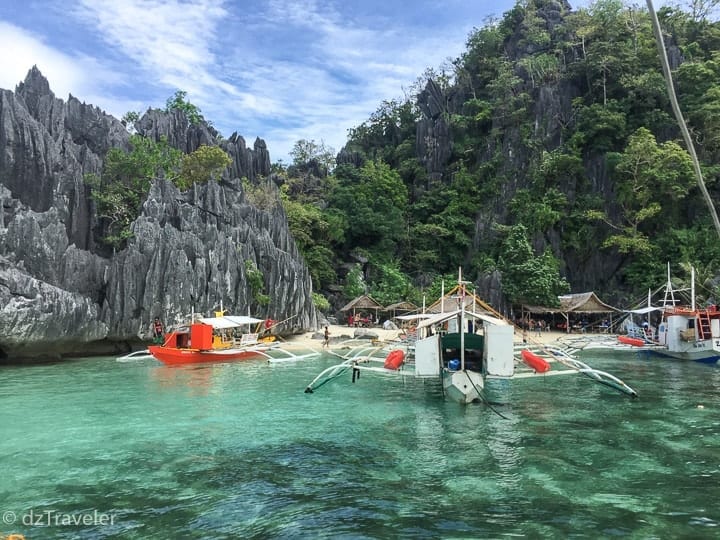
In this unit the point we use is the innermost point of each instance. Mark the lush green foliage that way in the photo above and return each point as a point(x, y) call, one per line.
point(651, 178)
point(321, 302)
point(354, 283)
point(304, 152)
point(373, 202)
point(178, 103)
point(256, 282)
point(125, 180)
point(205, 163)
point(528, 279)
point(563, 129)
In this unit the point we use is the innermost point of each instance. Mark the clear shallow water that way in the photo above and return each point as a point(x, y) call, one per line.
point(238, 450)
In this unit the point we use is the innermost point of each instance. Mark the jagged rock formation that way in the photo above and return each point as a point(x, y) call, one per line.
point(59, 295)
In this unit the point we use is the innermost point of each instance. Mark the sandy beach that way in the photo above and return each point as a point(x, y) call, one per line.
point(340, 333)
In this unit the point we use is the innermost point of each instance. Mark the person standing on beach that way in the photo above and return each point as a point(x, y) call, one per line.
point(524, 335)
point(326, 340)
point(157, 330)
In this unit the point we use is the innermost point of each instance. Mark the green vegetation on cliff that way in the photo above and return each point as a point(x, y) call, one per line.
point(552, 131)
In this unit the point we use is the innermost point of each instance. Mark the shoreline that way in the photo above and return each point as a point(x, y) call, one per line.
point(339, 333)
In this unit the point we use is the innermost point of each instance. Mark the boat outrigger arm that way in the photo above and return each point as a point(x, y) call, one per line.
point(362, 359)
point(463, 349)
point(356, 360)
point(576, 366)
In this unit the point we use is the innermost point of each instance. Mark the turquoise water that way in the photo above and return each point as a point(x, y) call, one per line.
point(238, 450)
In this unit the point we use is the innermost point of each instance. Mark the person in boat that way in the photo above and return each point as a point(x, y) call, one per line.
point(269, 323)
point(326, 337)
point(157, 330)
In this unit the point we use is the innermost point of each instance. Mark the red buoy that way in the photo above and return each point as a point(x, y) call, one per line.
point(538, 363)
point(635, 342)
point(394, 360)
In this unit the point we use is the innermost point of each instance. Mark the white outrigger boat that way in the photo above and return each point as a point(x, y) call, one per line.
point(688, 332)
point(473, 348)
point(685, 332)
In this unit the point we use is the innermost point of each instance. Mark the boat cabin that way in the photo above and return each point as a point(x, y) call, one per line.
point(213, 333)
point(485, 345)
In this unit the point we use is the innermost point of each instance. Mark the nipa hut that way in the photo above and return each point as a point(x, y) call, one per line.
point(402, 307)
point(362, 304)
point(582, 303)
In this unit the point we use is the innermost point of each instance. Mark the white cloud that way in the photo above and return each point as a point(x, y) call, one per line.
point(20, 50)
point(281, 70)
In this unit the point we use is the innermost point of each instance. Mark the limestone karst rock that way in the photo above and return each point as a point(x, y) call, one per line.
point(63, 293)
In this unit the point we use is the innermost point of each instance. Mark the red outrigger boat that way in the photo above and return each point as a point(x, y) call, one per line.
point(211, 339)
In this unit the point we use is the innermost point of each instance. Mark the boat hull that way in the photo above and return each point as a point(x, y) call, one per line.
point(462, 386)
point(705, 354)
point(178, 356)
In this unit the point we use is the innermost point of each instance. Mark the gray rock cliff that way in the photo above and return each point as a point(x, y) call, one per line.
point(59, 294)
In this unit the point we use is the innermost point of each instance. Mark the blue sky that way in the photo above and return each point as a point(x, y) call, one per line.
point(281, 70)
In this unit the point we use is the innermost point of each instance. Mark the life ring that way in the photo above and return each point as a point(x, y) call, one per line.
point(538, 363)
point(268, 324)
point(394, 360)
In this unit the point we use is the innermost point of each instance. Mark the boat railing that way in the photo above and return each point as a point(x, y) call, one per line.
point(247, 339)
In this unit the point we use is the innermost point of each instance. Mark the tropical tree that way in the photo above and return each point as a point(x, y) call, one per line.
point(650, 178)
point(373, 200)
point(178, 103)
point(304, 152)
point(527, 278)
point(126, 177)
point(354, 283)
point(204, 164)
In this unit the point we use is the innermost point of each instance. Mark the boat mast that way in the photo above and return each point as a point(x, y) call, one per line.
point(442, 296)
point(692, 288)
point(669, 290)
point(461, 299)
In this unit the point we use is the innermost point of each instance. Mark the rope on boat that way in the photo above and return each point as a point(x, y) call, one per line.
point(482, 397)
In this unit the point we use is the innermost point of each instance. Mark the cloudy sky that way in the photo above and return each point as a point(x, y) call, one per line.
point(282, 70)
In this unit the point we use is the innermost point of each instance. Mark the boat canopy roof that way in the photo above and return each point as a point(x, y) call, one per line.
point(446, 316)
point(229, 321)
point(644, 310)
point(414, 316)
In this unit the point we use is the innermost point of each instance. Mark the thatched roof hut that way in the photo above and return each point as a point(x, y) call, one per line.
point(587, 302)
point(363, 303)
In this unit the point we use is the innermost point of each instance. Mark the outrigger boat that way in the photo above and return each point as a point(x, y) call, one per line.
point(688, 332)
point(135, 355)
point(214, 339)
point(464, 357)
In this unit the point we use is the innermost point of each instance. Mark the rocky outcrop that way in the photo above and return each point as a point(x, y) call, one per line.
point(59, 295)
point(433, 141)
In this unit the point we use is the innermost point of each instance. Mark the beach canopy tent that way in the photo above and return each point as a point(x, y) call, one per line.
point(587, 302)
point(363, 303)
point(403, 307)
